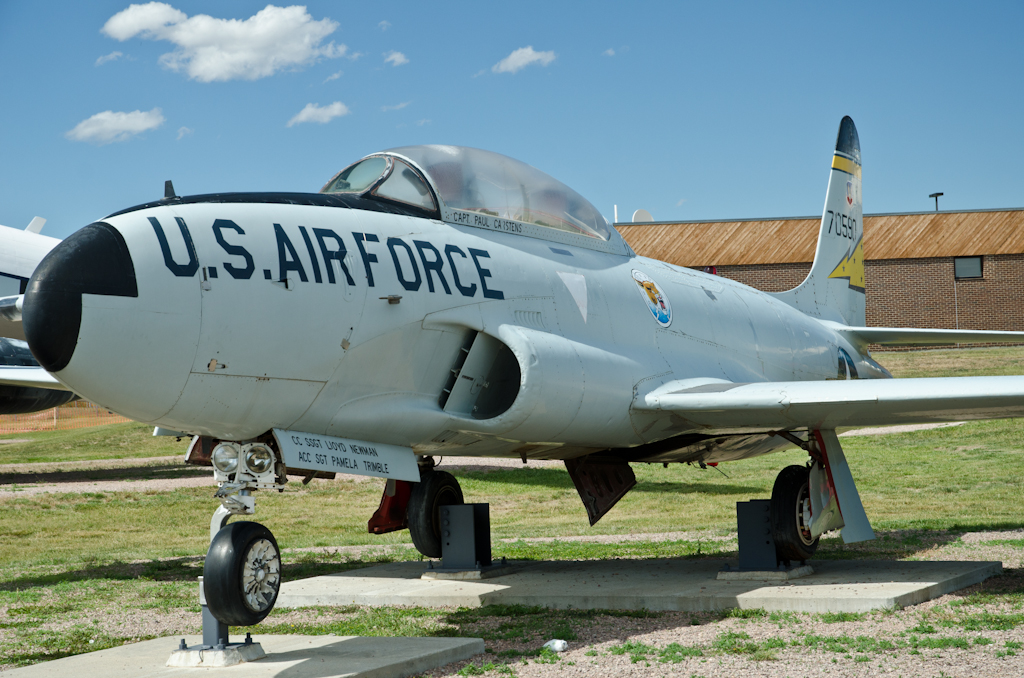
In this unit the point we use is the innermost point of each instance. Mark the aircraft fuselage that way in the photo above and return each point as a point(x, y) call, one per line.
point(255, 315)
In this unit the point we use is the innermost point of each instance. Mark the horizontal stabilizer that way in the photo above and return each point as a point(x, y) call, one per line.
point(785, 405)
point(907, 336)
point(33, 377)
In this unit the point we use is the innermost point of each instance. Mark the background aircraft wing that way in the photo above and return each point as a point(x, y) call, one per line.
point(10, 317)
point(34, 377)
point(906, 336)
point(831, 404)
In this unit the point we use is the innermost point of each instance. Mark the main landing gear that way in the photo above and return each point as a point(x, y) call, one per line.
point(791, 515)
point(805, 500)
point(417, 506)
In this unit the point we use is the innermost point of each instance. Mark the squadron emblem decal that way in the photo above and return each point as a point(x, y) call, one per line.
point(656, 300)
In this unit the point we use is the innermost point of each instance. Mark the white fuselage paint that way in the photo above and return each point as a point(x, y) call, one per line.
point(236, 355)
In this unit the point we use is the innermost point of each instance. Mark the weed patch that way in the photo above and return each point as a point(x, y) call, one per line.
point(840, 617)
point(732, 642)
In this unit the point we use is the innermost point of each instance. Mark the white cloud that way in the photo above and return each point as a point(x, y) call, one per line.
point(334, 76)
point(680, 202)
point(210, 49)
point(395, 58)
point(384, 25)
point(609, 52)
point(396, 107)
point(184, 132)
point(108, 126)
point(113, 56)
point(421, 123)
point(321, 114)
point(521, 58)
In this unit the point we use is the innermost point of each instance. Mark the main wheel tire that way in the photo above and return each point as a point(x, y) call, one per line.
point(435, 489)
point(790, 510)
point(242, 574)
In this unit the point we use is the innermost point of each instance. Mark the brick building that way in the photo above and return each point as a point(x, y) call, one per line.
point(922, 269)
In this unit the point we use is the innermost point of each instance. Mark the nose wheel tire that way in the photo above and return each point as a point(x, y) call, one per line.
point(435, 489)
point(791, 515)
point(242, 574)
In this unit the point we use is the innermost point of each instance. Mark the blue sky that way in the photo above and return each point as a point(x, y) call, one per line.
point(716, 110)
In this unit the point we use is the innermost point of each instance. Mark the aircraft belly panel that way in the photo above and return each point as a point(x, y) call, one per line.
point(238, 408)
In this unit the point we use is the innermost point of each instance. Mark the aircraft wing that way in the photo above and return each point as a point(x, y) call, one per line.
point(10, 317)
point(33, 377)
point(831, 404)
point(907, 336)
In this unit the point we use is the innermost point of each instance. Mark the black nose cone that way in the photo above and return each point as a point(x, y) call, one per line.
point(93, 260)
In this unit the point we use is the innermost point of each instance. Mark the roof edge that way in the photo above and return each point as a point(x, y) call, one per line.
point(813, 216)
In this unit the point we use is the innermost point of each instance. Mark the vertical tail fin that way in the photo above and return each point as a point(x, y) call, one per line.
point(834, 289)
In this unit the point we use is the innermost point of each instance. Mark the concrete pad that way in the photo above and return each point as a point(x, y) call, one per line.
point(213, 658)
point(291, 656)
point(678, 585)
point(765, 575)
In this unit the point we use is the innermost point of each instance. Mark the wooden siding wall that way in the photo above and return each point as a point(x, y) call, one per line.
point(781, 241)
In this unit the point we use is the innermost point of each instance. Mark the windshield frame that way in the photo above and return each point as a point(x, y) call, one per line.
point(370, 192)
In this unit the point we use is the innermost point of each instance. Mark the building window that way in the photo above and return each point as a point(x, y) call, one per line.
point(967, 267)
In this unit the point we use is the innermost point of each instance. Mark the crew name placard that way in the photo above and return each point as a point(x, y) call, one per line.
point(312, 452)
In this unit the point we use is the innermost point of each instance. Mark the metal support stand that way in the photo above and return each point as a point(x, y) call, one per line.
point(465, 544)
point(758, 559)
point(757, 546)
point(215, 632)
point(216, 649)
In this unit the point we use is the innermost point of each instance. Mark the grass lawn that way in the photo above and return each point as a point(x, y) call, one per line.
point(94, 556)
point(114, 441)
point(965, 477)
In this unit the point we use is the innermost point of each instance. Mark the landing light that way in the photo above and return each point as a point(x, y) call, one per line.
point(258, 459)
point(225, 458)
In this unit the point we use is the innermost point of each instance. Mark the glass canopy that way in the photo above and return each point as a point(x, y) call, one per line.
point(473, 180)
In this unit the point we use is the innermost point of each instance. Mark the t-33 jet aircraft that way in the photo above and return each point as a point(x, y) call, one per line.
point(441, 300)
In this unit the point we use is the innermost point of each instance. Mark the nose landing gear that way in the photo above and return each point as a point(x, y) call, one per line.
point(242, 574)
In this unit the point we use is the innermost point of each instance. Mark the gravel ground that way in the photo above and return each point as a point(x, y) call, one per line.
point(158, 474)
point(601, 650)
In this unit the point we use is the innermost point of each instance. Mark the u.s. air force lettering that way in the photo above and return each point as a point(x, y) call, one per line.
point(310, 452)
